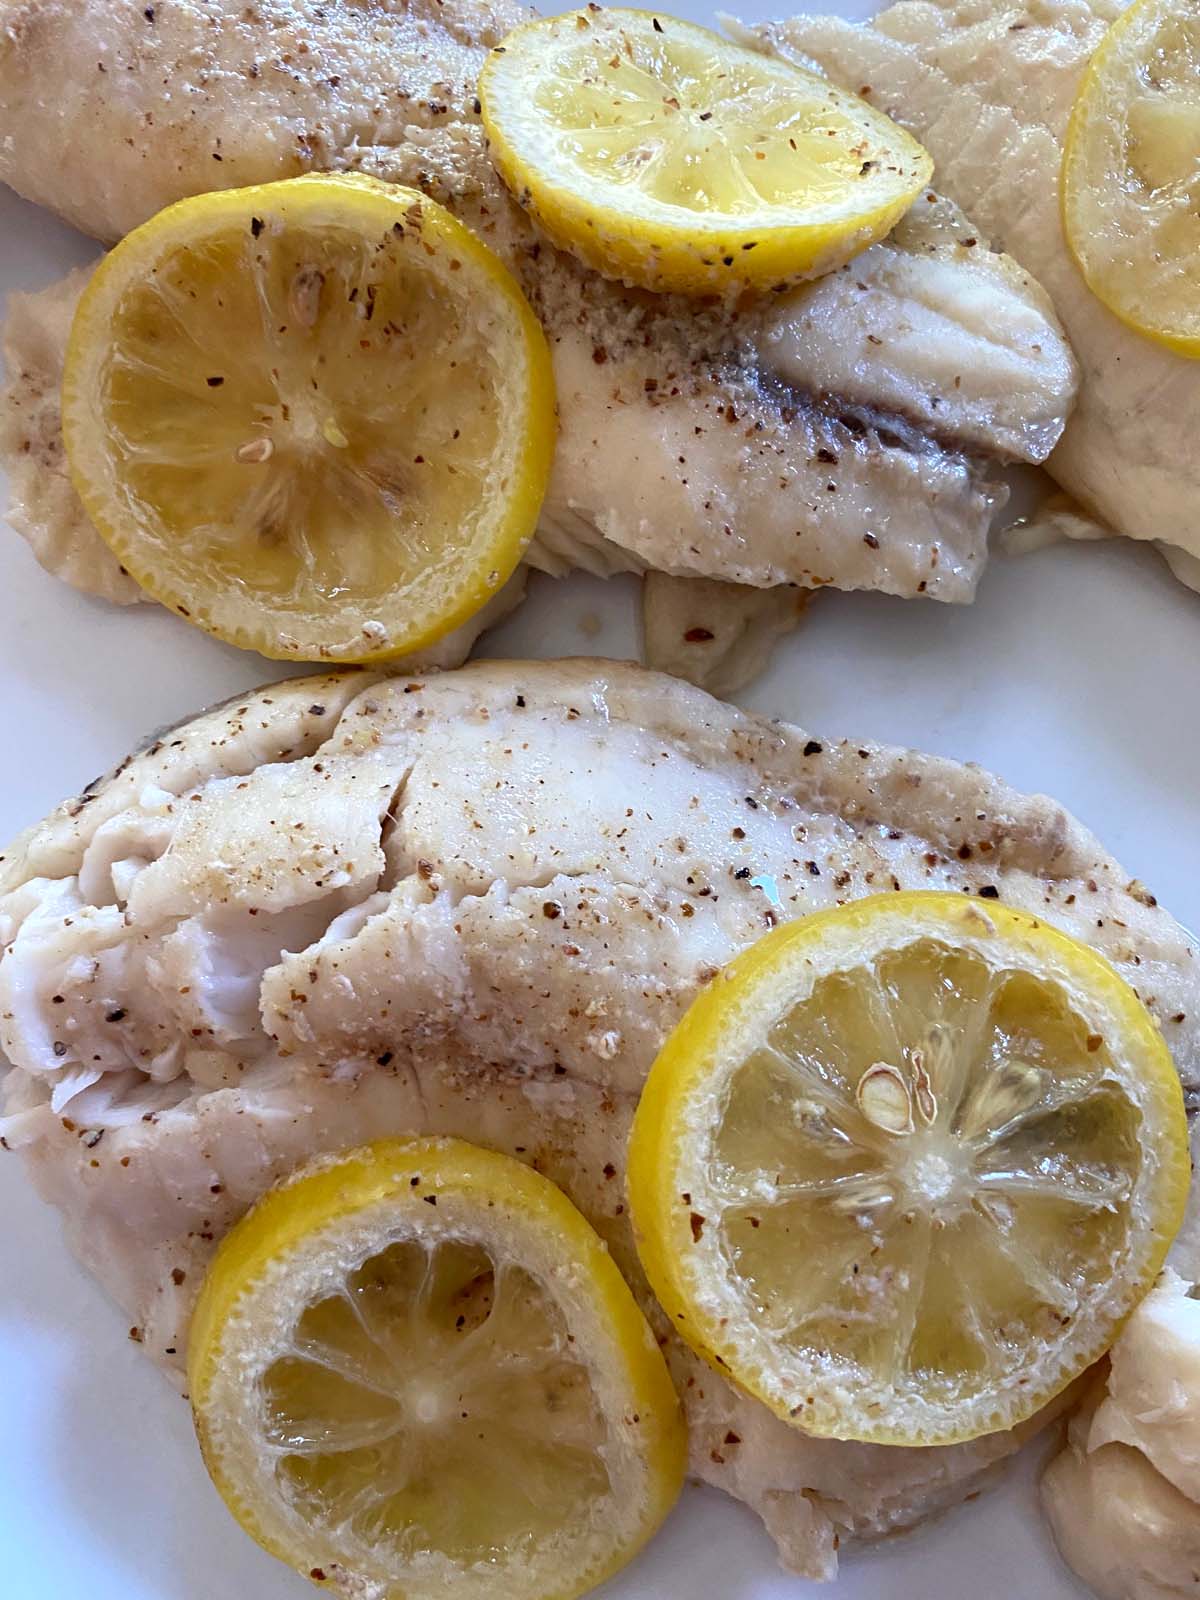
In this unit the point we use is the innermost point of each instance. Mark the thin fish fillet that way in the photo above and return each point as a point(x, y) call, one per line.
point(476, 903)
point(846, 433)
point(988, 88)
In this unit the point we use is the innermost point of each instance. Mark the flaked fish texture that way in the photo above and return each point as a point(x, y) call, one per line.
point(987, 86)
point(1123, 1497)
point(476, 903)
point(844, 433)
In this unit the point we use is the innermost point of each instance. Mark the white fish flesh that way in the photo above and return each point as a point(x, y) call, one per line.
point(987, 86)
point(1123, 1498)
point(475, 903)
point(845, 433)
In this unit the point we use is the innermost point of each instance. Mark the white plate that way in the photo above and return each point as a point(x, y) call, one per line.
point(1075, 673)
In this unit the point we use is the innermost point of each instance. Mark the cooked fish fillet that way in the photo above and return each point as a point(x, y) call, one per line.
point(717, 635)
point(1058, 520)
point(844, 433)
point(988, 85)
point(42, 504)
point(1123, 1498)
point(475, 903)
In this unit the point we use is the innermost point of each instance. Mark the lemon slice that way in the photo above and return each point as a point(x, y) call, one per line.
point(314, 417)
point(1131, 172)
point(905, 1166)
point(665, 155)
point(415, 1371)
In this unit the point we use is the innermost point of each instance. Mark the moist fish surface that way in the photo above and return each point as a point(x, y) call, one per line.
point(476, 903)
point(847, 432)
point(988, 88)
point(1123, 1497)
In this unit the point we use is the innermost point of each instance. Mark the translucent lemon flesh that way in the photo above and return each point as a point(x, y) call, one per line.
point(409, 1397)
point(1131, 172)
point(315, 417)
point(663, 154)
point(906, 1166)
point(417, 1368)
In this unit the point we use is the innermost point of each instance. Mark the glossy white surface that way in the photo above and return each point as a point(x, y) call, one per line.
point(1077, 672)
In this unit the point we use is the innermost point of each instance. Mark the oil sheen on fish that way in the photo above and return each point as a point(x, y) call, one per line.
point(844, 433)
point(476, 903)
point(987, 86)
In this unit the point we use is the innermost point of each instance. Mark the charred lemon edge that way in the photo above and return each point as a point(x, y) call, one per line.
point(364, 203)
point(691, 1056)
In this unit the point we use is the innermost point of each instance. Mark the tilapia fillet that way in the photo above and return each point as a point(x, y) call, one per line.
point(1123, 1498)
point(987, 86)
point(847, 432)
point(475, 903)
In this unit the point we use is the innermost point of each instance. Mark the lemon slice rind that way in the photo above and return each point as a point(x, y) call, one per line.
point(615, 195)
point(201, 479)
point(1129, 182)
point(677, 1190)
point(305, 1240)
